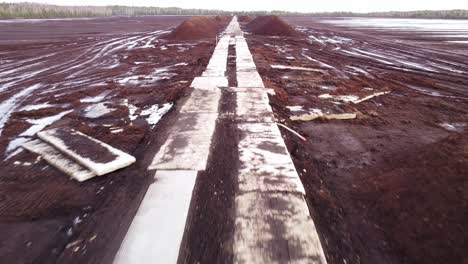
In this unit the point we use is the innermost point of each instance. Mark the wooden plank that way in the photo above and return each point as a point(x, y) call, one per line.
point(59, 160)
point(91, 153)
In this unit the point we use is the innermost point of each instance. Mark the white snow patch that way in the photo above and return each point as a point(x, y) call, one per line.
point(415, 65)
point(335, 40)
point(344, 98)
point(366, 56)
point(37, 125)
point(95, 99)
point(36, 107)
point(8, 106)
point(14, 153)
point(118, 130)
point(155, 113)
point(458, 41)
point(359, 70)
point(148, 43)
point(295, 108)
point(294, 68)
point(97, 110)
point(156, 75)
point(327, 87)
point(316, 39)
point(41, 123)
point(15, 144)
point(319, 62)
point(351, 98)
point(132, 109)
point(457, 127)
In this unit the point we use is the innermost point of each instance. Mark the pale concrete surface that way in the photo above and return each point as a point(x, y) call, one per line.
point(272, 220)
point(158, 227)
point(157, 230)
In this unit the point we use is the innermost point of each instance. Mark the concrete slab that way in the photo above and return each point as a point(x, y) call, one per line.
point(58, 160)
point(272, 221)
point(188, 145)
point(275, 228)
point(250, 90)
point(91, 153)
point(158, 227)
point(265, 164)
point(209, 83)
point(249, 79)
point(253, 107)
point(202, 101)
point(214, 73)
point(246, 66)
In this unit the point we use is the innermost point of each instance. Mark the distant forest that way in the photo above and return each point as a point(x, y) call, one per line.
point(34, 10)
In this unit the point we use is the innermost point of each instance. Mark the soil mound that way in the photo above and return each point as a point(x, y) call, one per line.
point(245, 19)
point(199, 27)
point(271, 26)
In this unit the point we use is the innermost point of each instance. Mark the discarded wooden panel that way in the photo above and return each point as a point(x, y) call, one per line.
point(370, 97)
point(93, 154)
point(59, 160)
point(310, 117)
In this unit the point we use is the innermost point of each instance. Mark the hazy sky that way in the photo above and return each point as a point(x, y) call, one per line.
point(288, 5)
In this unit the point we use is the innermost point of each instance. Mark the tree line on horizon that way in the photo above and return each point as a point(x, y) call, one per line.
point(35, 10)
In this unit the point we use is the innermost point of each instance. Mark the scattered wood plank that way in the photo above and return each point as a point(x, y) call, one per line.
point(91, 153)
point(59, 160)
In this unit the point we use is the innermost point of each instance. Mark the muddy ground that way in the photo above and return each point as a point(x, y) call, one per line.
point(107, 76)
point(389, 186)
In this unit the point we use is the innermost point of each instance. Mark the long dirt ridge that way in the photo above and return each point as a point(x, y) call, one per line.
point(271, 221)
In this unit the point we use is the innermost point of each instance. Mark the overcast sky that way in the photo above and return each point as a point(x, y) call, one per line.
point(287, 5)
